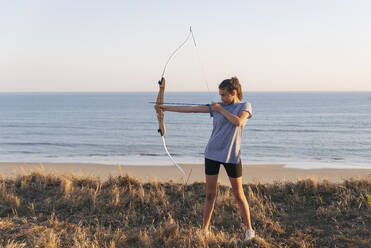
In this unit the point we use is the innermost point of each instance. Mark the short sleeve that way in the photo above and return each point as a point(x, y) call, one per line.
point(210, 110)
point(247, 107)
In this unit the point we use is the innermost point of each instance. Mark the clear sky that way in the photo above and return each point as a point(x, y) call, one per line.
point(273, 45)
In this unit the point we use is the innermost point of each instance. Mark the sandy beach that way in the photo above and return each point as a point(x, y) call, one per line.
point(252, 173)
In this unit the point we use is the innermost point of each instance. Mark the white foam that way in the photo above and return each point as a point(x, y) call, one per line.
point(325, 165)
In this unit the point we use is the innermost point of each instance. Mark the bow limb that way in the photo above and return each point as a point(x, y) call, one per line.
point(161, 124)
point(171, 158)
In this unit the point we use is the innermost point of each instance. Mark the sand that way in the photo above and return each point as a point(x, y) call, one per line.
point(252, 173)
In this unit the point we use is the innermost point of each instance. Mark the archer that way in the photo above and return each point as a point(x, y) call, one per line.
point(230, 116)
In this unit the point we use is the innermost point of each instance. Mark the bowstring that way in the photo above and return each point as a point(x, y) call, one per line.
point(201, 63)
point(190, 34)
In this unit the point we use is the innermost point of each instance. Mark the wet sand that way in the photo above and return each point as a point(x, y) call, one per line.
point(252, 173)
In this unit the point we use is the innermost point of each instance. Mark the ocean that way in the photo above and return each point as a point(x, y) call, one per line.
point(301, 130)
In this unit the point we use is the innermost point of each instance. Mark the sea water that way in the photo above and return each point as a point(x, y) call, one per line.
point(301, 130)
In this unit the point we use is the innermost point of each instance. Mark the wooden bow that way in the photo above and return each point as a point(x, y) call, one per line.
point(162, 82)
point(160, 100)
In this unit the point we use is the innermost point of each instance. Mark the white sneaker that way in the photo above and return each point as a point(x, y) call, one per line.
point(250, 234)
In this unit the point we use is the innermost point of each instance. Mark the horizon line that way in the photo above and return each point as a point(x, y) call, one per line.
point(252, 91)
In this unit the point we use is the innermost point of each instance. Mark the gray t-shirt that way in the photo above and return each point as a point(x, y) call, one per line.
point(225, 140)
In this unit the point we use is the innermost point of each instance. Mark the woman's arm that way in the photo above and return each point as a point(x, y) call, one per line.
point(234, 119)
point(183, 109)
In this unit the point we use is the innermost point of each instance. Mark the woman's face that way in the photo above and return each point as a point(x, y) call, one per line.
point(226, 97)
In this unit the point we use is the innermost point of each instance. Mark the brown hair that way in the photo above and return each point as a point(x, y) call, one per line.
point(230, 85)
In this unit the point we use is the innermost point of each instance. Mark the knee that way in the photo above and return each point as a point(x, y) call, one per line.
point(210, 196)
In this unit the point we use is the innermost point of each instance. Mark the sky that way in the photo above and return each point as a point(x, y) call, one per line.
point(122, 46)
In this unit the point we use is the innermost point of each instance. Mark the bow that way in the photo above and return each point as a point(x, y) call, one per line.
point(160, 100)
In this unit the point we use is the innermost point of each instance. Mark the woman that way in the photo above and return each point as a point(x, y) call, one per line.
point(223, 147)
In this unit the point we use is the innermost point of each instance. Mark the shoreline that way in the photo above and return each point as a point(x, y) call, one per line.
point(252, 173)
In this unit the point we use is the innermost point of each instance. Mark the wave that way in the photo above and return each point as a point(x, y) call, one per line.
point(148, 155)
point(299, 131)
point(48, 144)
point(46, 126)
point(21, 152)
point(156, 155)
point(97, 155)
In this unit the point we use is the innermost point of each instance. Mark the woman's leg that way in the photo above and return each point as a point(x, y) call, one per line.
point(211, 183)
point(241, 200)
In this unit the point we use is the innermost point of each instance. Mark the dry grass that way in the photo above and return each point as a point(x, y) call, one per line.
point(39, 210)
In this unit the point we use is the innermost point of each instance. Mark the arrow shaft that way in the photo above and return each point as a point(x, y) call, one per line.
point(179, 103)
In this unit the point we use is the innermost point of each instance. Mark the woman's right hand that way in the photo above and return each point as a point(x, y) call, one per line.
point(216, 107)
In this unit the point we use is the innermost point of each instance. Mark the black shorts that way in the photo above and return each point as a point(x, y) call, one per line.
point(233, 170)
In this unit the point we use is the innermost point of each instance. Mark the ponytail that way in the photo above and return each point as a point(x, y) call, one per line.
point(230, 85)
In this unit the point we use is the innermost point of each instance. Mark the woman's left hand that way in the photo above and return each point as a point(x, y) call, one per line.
point(216, 107)
point(160, 107)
